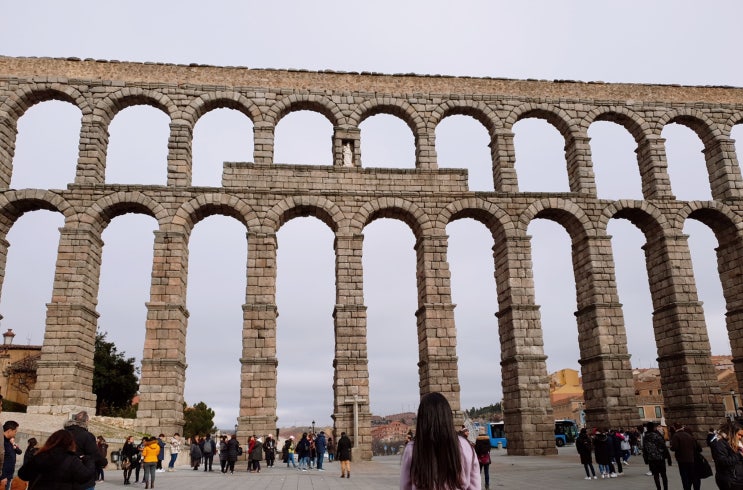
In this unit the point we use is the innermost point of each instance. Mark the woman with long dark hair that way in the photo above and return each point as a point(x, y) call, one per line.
point(725, 447)
point(55, 466)
point(438, 458)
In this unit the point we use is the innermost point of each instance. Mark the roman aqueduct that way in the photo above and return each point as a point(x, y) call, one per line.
point(347, 196)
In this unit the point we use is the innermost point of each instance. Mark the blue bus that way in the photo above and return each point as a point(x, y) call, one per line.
point(566, 432)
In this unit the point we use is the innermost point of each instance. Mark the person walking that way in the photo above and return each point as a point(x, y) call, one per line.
point(725, 448)
point(10, 429)
point(85, 443)
point(269, 448)
point(150, 454)
point(584, 446)
point(438, 458)
point(103, 449)
point(303, 452)
point(343, 454)
point(209, 449)
point(56, 465)
point(321, 445)
point(233, 447)
point(223, 453)
point(289, 452)
point(128, 454)
point(686, 447)
point(175, 449)
point(482, 450)
point(256, 455)
point(331, 449)
point(655, 454)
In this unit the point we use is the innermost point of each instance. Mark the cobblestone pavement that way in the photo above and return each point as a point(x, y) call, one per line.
point(519, 472)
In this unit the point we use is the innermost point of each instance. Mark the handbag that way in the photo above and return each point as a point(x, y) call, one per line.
point(701, 466)
point(484, 458)
point(126, 464)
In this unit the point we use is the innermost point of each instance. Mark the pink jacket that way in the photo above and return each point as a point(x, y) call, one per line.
point(470, 467)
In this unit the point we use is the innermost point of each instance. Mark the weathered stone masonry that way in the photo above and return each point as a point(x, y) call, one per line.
point(347, 197)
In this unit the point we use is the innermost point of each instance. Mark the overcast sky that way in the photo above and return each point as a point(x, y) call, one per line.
point(666, 42)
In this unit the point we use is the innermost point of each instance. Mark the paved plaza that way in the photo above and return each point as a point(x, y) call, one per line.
point(523, 472)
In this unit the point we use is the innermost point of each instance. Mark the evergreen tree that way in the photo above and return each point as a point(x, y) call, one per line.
point(198, 420)
point(114, 379)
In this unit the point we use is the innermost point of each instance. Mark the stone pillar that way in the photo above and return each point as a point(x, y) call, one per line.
point(580, 167)
point(8, 133)
point(91, 160)
point(526, 390)
point(351, 369)
point(4, 245)
point(504, 161)
point(608, 386)
point(651, 157)
point(258, 363)
point(180, 168)
point(163, 376)
point(723, 168)
point(425, 150)
point(729, 265)
point(263, 135)
point(437, 335)
point(64, 378)
point(690, 389)
point(346, 147)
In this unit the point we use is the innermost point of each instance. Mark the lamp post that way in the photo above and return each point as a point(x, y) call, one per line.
point(313, 426)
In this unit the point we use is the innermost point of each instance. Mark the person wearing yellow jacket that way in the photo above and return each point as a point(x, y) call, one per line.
point(149, 460)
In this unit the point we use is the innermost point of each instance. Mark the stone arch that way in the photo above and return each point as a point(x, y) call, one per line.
point(563, 211)
point(732, 121)
point(629, 120)
point(13, 204)
point(704, 127)
point(205, 205)
point(554, 115)
point(395, 208)
point(18, 103)
point(492, 216)
point(719, 217)
point(105, 209)
point(394, 107)
point(114, 103)
point(305, 102)
point(300, 206)
point(648, 218)
point(479, 111)
point(218, 100)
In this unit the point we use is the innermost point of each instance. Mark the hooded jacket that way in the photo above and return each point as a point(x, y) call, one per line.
point(150, 452)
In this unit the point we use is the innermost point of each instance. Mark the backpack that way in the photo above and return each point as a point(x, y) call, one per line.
point(208, 446)
point(239, 450)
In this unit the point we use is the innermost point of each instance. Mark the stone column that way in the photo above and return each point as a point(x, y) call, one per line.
point(351, 369)
point(258, 363)
point(526, 390)
point(163, 376)
point(4, 245)
point(580, 167)
point(651, 157)
point(691, 392)
point(8, 134)
point(729, 265)
point(180, 160)
point(723, 168)
point(504, 161)
point(263, 136)
point(64, 378)
point(425, 150)
point(608, 386)
point(437, 334)
point(91, 160)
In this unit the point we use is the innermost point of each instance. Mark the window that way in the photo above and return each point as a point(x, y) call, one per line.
point(658, 412)
point(641, 411)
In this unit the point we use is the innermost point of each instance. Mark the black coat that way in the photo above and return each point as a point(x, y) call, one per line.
point(87, 447)
point(58, 469)
point(232, 446)
point(728, 463)
point(343, 451)
point(584, 447)
point(602, 446)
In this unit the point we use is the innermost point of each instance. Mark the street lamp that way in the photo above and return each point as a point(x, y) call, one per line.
point(313, 426)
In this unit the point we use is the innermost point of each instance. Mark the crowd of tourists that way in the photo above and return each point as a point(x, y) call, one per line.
point(612, 449)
